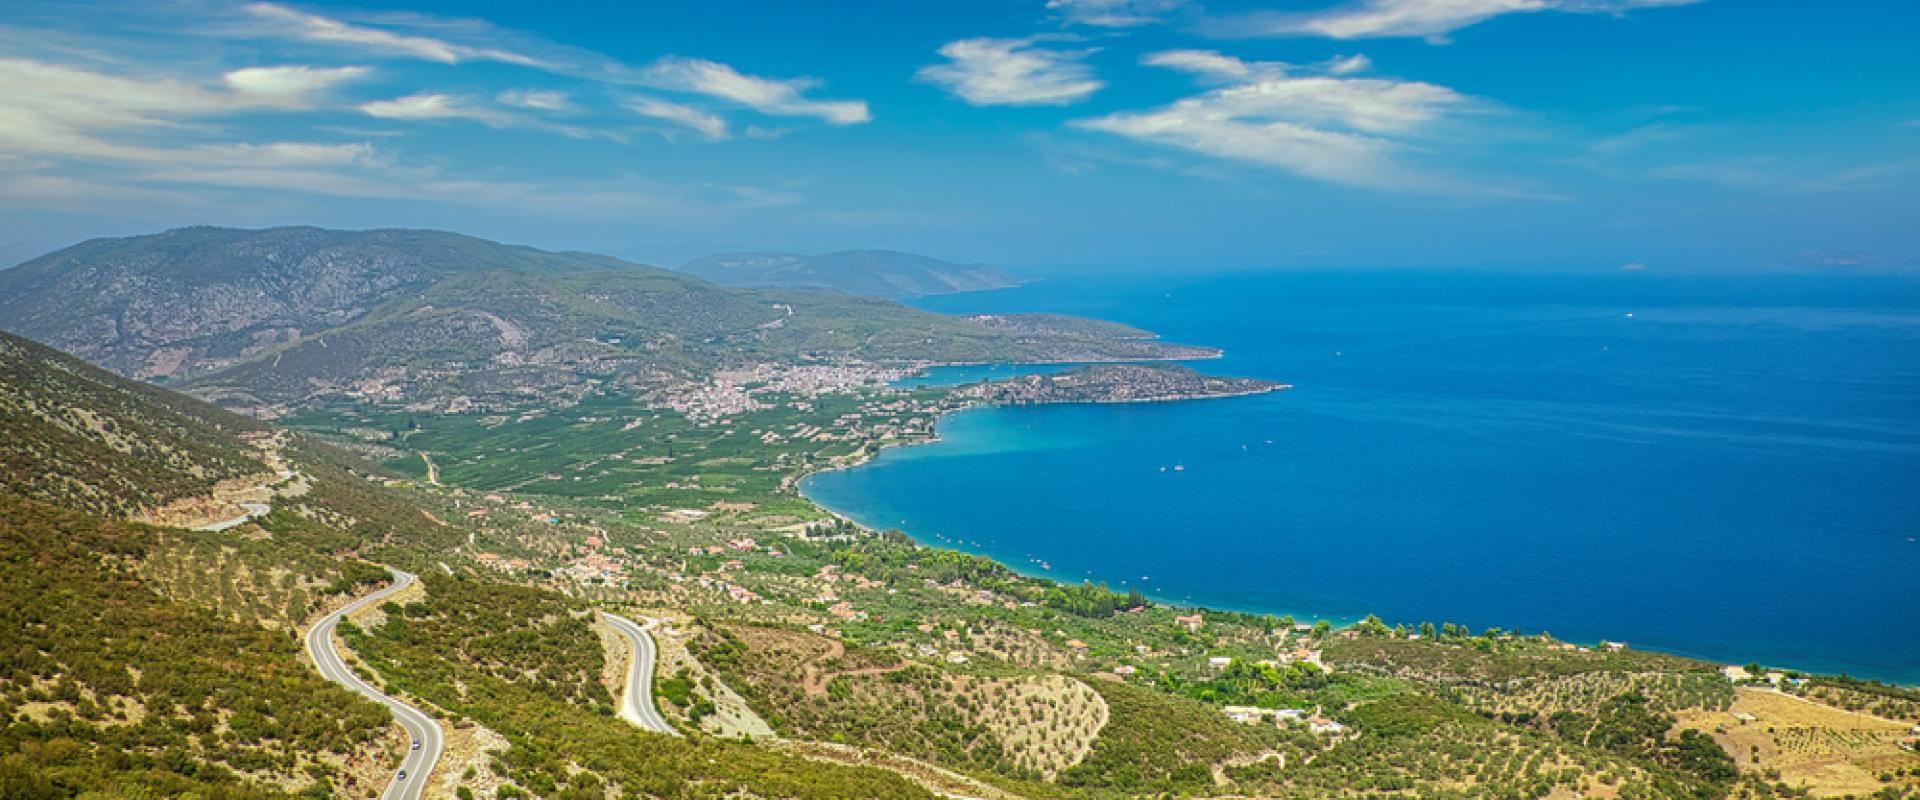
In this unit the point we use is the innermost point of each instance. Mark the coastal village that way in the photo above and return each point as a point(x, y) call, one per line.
point(689, 515)
point(757, 388)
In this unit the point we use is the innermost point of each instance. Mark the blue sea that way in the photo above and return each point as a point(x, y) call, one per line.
point(1721, 467)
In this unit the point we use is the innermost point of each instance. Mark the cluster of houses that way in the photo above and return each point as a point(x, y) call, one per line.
point(1298, 655)
point(736, 391)
point(951, 636)
point(925, 650)
point(1250, 715)
point(1775, 678)
point(708, 402)
point(1611, 647)
point(498, 562)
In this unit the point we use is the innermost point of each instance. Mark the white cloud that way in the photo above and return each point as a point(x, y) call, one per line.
point(1205, 63)
point(708, 124)
point(1266, 89)
point(1011, 72)
point(57, 110)
point(428, 106)
point(1431, 19)
point(1343, 130)
point(536, 99)
point(439, 106)
point(280, 20)
point(408, 37)
point(775, 96)
point(91, 140)
point(284, 154)
point(1347, 65)
point(291, 86)
point(1114, 13)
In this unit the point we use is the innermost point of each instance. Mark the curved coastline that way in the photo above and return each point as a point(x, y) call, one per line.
point(867, 457)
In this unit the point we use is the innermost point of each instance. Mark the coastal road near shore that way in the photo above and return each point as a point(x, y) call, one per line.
point(418, 764)
point(636, 704)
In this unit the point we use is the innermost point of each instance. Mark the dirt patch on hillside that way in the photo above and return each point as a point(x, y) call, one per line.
point(1830, 751)
point(943, 782)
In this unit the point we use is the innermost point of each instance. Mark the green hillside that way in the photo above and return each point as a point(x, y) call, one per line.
point(110, 689)
point(194, 299)
point(74, 434)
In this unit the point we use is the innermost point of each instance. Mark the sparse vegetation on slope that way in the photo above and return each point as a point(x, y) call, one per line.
point(75, 435)
point(526, 663)
point(109, 689)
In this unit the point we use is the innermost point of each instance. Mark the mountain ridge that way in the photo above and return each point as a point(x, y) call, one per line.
point(193, 300)
point(264, 319)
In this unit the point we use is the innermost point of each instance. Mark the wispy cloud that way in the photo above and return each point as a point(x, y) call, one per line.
point(99, 123)
point(1306, 121)
point(57, 110)
point(1012, 72)
point(1430, 19)
point(440, 106)
point(775, 96)
point(291, 86)
point(425, 39)
point(432, 106)
point(281, 21)
point(1114, 13)
point(536, 99)
point(710, 125)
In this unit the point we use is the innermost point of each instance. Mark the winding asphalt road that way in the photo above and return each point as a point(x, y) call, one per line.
point(253, 511)
point(636, 705)
point(418, 764)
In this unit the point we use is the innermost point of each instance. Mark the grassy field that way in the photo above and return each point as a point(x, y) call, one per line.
point(617, 452)
point(1802, 743)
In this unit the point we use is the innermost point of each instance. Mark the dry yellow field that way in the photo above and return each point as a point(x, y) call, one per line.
point(1828, 750)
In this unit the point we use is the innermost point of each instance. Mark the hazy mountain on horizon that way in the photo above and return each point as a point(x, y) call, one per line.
point(261, 320)
point(876, 273)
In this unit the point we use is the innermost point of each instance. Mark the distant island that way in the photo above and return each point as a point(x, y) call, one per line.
point(875, 273)
point(1117, 383)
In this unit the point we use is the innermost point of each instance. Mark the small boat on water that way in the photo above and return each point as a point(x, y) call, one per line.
point(1179, 468)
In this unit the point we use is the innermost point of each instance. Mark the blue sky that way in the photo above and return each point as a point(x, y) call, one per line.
point(1533, 134)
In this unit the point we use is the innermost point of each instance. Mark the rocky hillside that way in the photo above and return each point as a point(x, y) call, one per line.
point(264, 320)
point(81, 437)
point(874, 273)
point(194, 300)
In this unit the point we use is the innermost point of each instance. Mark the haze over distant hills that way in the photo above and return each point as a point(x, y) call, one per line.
point(262, 318)
point(876, 273)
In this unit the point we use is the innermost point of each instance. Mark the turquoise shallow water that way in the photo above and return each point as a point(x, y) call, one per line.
point(1731, 472)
